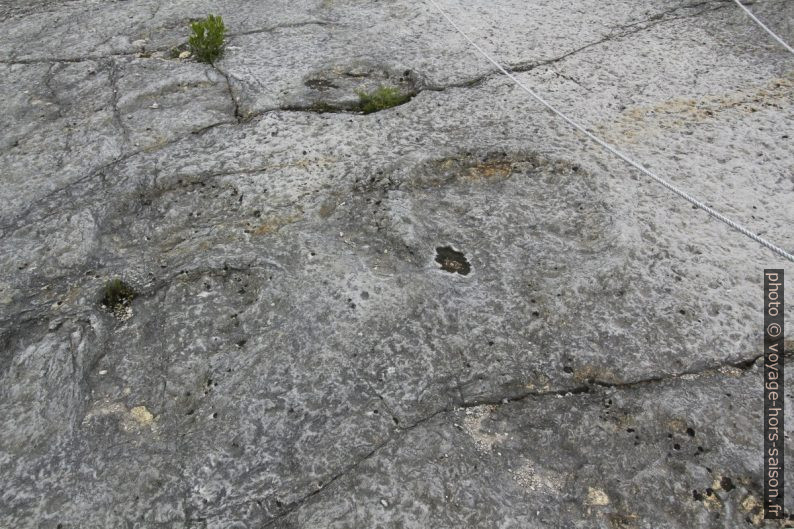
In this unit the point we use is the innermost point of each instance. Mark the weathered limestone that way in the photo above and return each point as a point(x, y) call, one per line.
point(296, 356)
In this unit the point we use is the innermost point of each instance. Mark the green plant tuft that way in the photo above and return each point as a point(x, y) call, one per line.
point(206, 42)
point(382, 98)
point(117, 294)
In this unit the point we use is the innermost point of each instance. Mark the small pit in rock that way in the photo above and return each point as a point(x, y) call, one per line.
point(452, 261)
point(117, 296)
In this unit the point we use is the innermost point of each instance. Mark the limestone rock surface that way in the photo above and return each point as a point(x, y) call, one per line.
point(454, 313)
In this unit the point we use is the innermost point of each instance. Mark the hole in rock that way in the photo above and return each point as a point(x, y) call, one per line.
point(452, 261)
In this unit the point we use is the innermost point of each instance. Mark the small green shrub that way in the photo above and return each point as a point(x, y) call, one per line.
point(207, 39)
point(382, 98)
point(117, 294)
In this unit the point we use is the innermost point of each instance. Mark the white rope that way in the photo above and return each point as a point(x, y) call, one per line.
point(735, 225)
point(772, 33)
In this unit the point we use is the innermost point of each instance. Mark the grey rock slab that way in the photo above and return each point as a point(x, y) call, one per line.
point(74, 30)
point(70, 122)
point(735, 106)
point(682, 453)
point(156, 94)
point(411, 46)
point(296, 352)
point(59, 126)
point(177, 404)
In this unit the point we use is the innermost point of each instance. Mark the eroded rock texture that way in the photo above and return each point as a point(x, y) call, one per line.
point(452, 313)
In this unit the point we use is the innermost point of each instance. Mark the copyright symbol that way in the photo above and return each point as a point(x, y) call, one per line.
point(773, 330)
